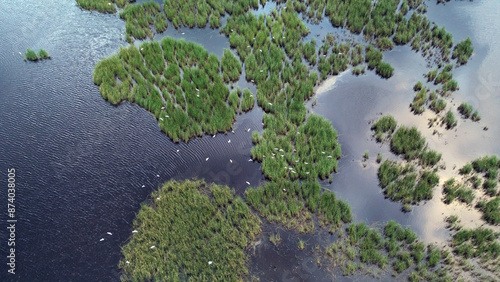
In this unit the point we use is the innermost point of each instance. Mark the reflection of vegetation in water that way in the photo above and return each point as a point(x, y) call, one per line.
point(185, 105)
point(190, 230)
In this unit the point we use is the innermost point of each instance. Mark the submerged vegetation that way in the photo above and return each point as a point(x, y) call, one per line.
point(190, 230)
point(33, 56)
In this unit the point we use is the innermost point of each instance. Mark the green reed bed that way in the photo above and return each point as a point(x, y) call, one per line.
point(231, 66)
point(479, 242)
point(467, 111)
point(150, 76)
point(437, 105)
point(384, 127)
point(407, 141)
point(418, 104)
point(190, 230)
point(102, 6)
point(462, 51)
point(453, 190)
point(31, 55)
point(449, 120)
point(140, 17)
point(490, 210)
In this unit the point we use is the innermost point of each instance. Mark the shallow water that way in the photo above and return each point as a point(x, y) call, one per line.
point(81, 162)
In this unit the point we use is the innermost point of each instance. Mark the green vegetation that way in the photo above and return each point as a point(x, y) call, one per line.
point(292, 204)
point(463, 51)
point(437, 105)
point(310, 153)
point(103, 6)
point(275, 239)
point(384, 69)
point(491, 210)
point(231, 67)
point(42, 54)
point(467, 111)
point(393, 246)
point(417, 106)
point(185, 89)
point(479, 242)
point(139, 19)
point(405, 184)
point(449, 120)
point(379, 158)
point(408, 142)
point(484, 171)
point(453, 190)
point(430, 158)
point(190, 230)
point(185, 105)
point(193, 13)
point(384, 127)
point(32, 55)
point(301, 245)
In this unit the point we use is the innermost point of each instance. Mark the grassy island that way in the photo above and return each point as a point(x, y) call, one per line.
point(190, 230)
point(185, 88)
point(178, 82)
point(414, 181)
point(33, 56)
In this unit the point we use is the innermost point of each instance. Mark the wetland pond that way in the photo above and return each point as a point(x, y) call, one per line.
point(84, 166)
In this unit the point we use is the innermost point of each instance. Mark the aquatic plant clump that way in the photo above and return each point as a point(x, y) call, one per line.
point(190, 230)
point(33, 56)
point(393, 246)
point(293, 204)
point(186, 105)
point(193, 13)
point(140, 17)
point(103, 6)
point(407, 141)
point(462, 52)
point(384, 127)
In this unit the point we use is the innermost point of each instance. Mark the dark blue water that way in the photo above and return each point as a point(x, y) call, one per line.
point(81, 162)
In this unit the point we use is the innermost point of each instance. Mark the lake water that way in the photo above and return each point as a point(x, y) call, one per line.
point(81, 162)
